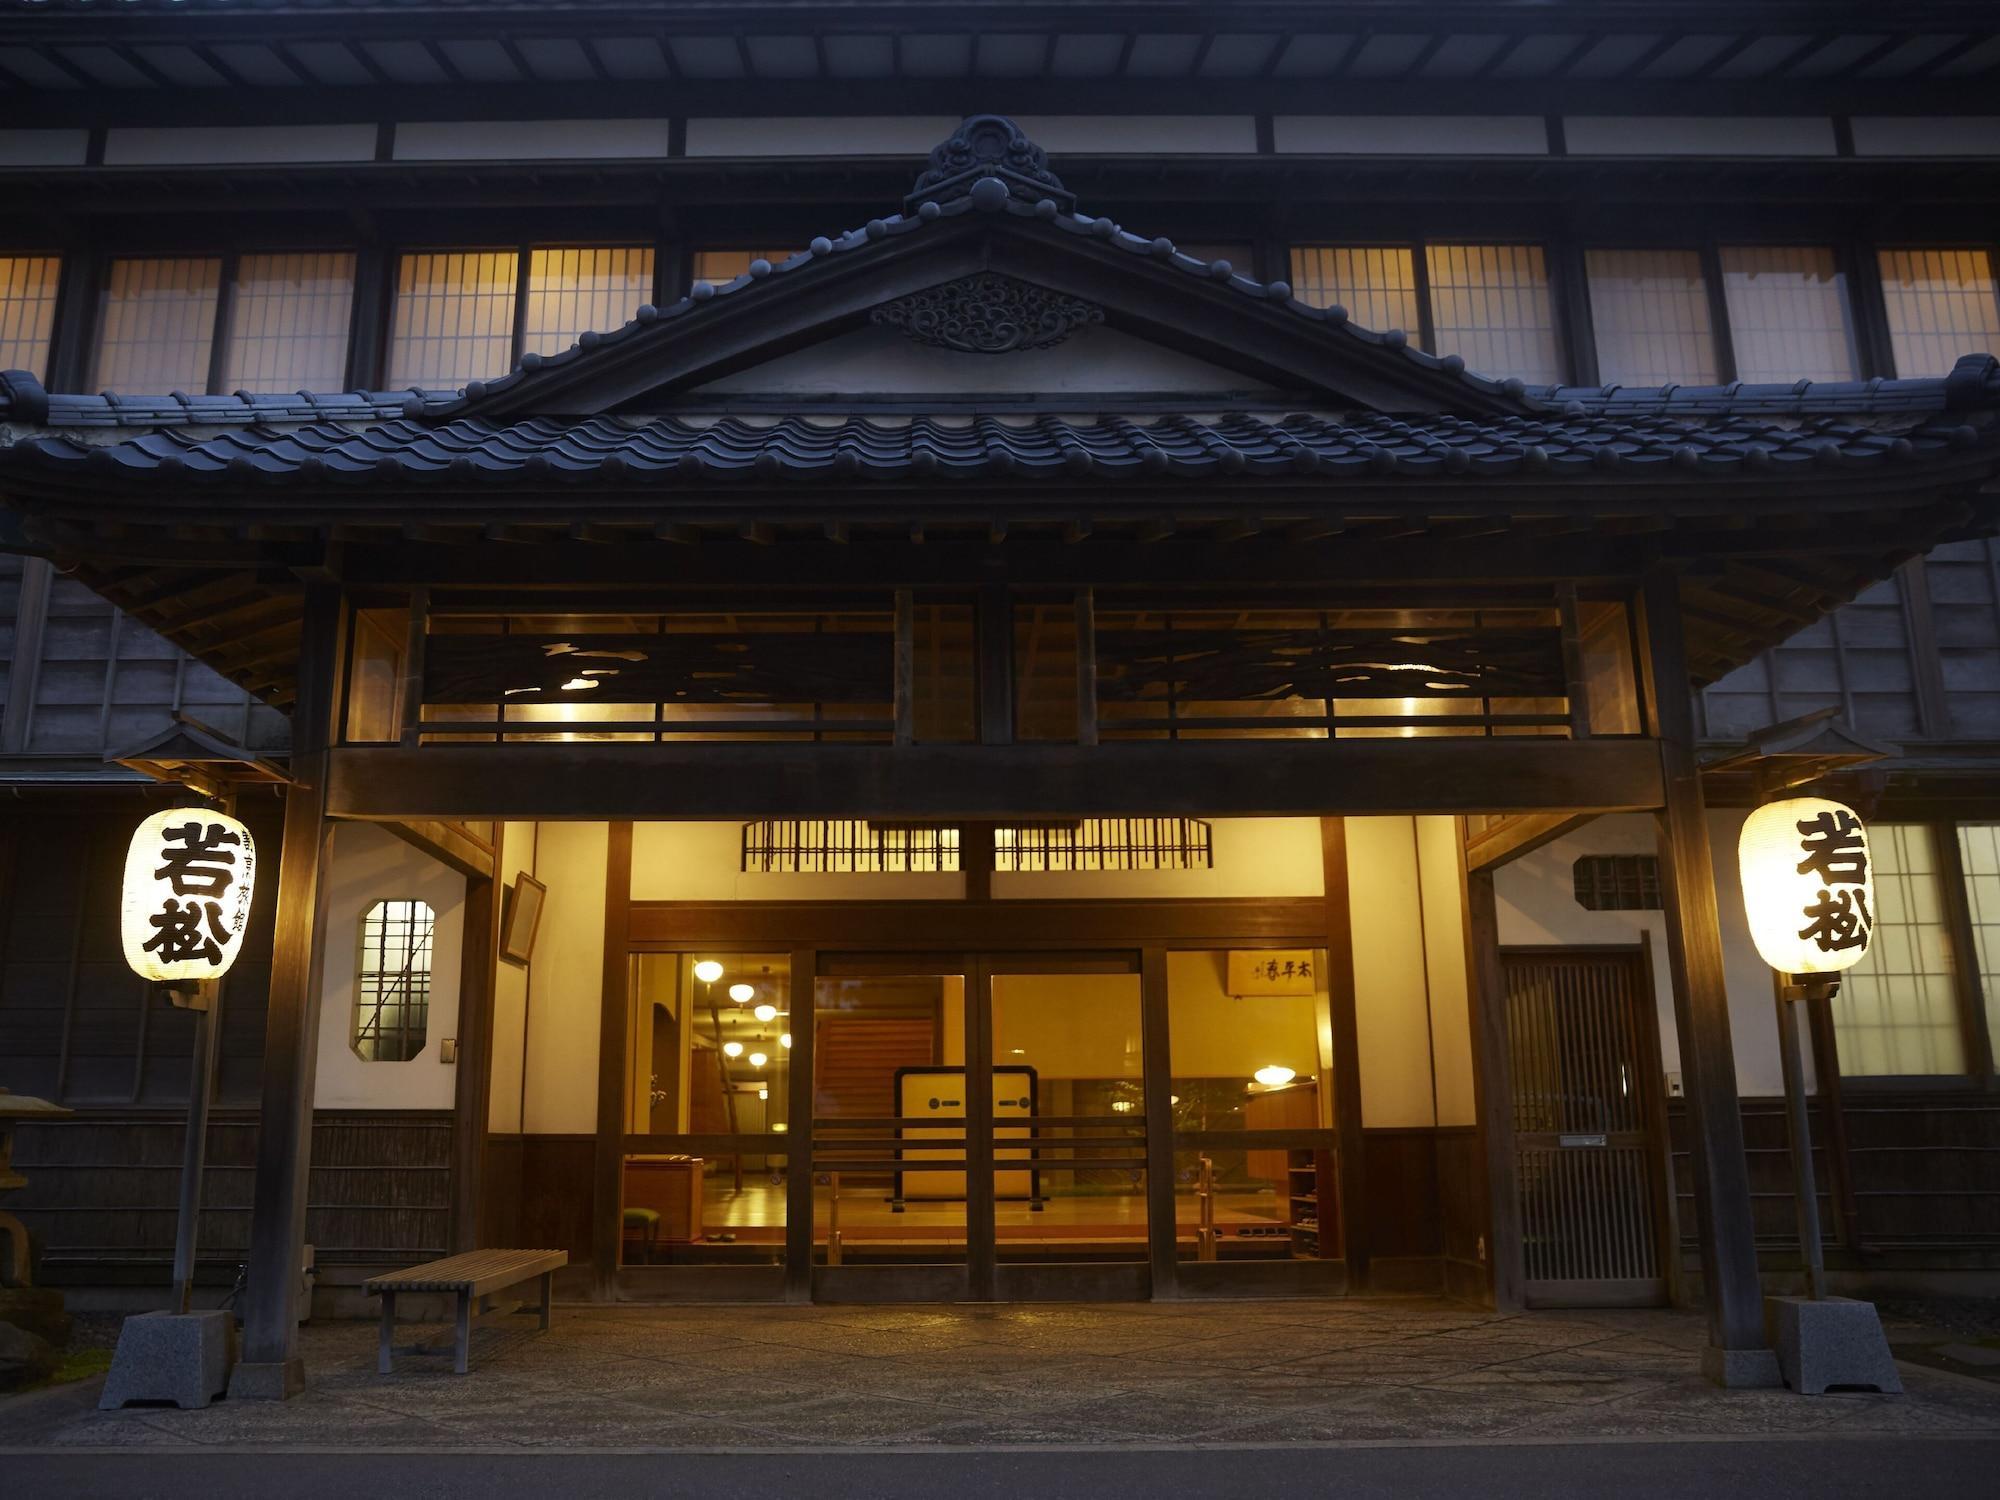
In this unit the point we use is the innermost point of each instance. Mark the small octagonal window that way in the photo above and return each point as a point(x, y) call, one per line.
point(392, 990)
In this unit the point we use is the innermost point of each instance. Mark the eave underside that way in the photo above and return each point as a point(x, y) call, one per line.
point(1758, 564)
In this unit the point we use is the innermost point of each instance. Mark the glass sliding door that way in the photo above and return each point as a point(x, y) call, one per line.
point(1068, 1125)
point(889, 1144)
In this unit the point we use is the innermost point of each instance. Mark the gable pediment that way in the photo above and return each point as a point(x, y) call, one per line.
point(989, 263)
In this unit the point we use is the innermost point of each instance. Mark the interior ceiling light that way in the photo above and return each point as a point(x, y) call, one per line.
point(779, 1127)
point(785, 1041)
point(578, 685)
point(743, 994)
point(732, 1049)
point(1275, 1076)
point(708, 971)
point(762, 1012)
point(763, 1093)
point(758, 1059)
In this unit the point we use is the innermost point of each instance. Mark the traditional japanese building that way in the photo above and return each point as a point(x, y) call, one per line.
point(848, 698)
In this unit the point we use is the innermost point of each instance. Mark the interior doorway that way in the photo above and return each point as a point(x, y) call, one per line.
point(1583, 1046)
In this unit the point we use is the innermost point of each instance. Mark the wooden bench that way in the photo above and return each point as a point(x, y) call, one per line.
point(473, 1276)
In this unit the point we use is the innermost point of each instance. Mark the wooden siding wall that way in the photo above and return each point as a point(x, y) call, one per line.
point(1914, 660)
point(102, 1191)
point(101, 682)
point(1926, 1174)
point(76, 1025)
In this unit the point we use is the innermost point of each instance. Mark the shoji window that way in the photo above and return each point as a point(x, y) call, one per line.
point(1376, 284)
point(1788, 317)
point(1649, 309)
point(454, 317)
point(726, 265)
point(1979, 852)
point(27, 311)
point(156, 324)
point(1941, 304)
point(1897, 1010)
point(288, 317)
point(1491, 306)
point(574, 291)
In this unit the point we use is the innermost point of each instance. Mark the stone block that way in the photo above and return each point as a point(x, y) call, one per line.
point(24, 1357)
point(1741, 1369)
point(38, 1309)
point(1829, 1343)
point(179, 1357)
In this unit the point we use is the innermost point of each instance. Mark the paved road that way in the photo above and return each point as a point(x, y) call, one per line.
point(1819, 1469)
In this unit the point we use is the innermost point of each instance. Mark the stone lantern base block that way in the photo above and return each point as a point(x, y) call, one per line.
point(179, 1357)
point(1833, 1342)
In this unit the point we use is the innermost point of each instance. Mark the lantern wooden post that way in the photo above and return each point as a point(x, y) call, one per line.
point(1738, 1353)
point(1798, 1124)
point(271, 1367)
point(205, 1000)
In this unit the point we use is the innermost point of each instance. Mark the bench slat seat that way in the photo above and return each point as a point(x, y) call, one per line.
point(469, 1277)
point(482, 1271)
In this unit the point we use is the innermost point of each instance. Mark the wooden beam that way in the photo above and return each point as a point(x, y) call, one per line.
point(1511, 837)
point(613, 1031)
point(447, 842)
point(1197, 778)
point(799, 1136)
point(1351, 1166)
point(1737, 1353)
point(929, 925)
point(1156, 1041)
point(271, 1368)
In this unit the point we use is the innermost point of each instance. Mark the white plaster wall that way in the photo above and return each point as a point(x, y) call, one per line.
point(204, 145)
point(510, 993)
point(1140, 135)
point(1537, 906)
point(44, 148)
point(1253, 857)
point(1443, 898)
point(1410, 135)
point(799, 135)
point(1915, 135)
point(1747, 135)
point(703, 862)
point(530, 140)
point(566, 982)
point(1094, 361)
point(369, 864)
point(1391, 1007)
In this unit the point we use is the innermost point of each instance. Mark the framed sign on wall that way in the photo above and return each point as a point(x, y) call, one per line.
point(521, 918)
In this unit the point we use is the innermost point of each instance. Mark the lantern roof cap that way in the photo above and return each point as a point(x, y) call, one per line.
point(1796, 752)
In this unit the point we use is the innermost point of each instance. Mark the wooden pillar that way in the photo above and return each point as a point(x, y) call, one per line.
point(613, 1028)
point(472, 1090)
point(1162, 1249)
point(981, 1253)
point(1493, 1086)
point(799, 1129)
point(1352, 1164)
point(271, 1368)
point(1738, 1354)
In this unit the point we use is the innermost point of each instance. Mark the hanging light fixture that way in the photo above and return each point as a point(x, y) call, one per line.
point(758, 1059)
point(785, 1041)
point(1275, 1075)
point(1808, 886)
point(732, 1049)
point(743, 994)
point(189, 875)
point(708, 971)
point(766, 1012)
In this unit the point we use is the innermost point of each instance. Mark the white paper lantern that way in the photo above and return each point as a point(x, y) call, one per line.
point(189, 877)
point(1808, 885)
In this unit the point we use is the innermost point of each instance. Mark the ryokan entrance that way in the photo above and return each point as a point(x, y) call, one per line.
point(977, 1126)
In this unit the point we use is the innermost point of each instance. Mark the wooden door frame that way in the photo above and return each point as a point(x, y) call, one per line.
point(1652, 1092)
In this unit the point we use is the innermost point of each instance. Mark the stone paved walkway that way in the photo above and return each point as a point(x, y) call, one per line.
point(742, 1378)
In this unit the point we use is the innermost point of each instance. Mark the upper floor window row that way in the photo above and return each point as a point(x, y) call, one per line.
point(1662, 316)
point(282, 321)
